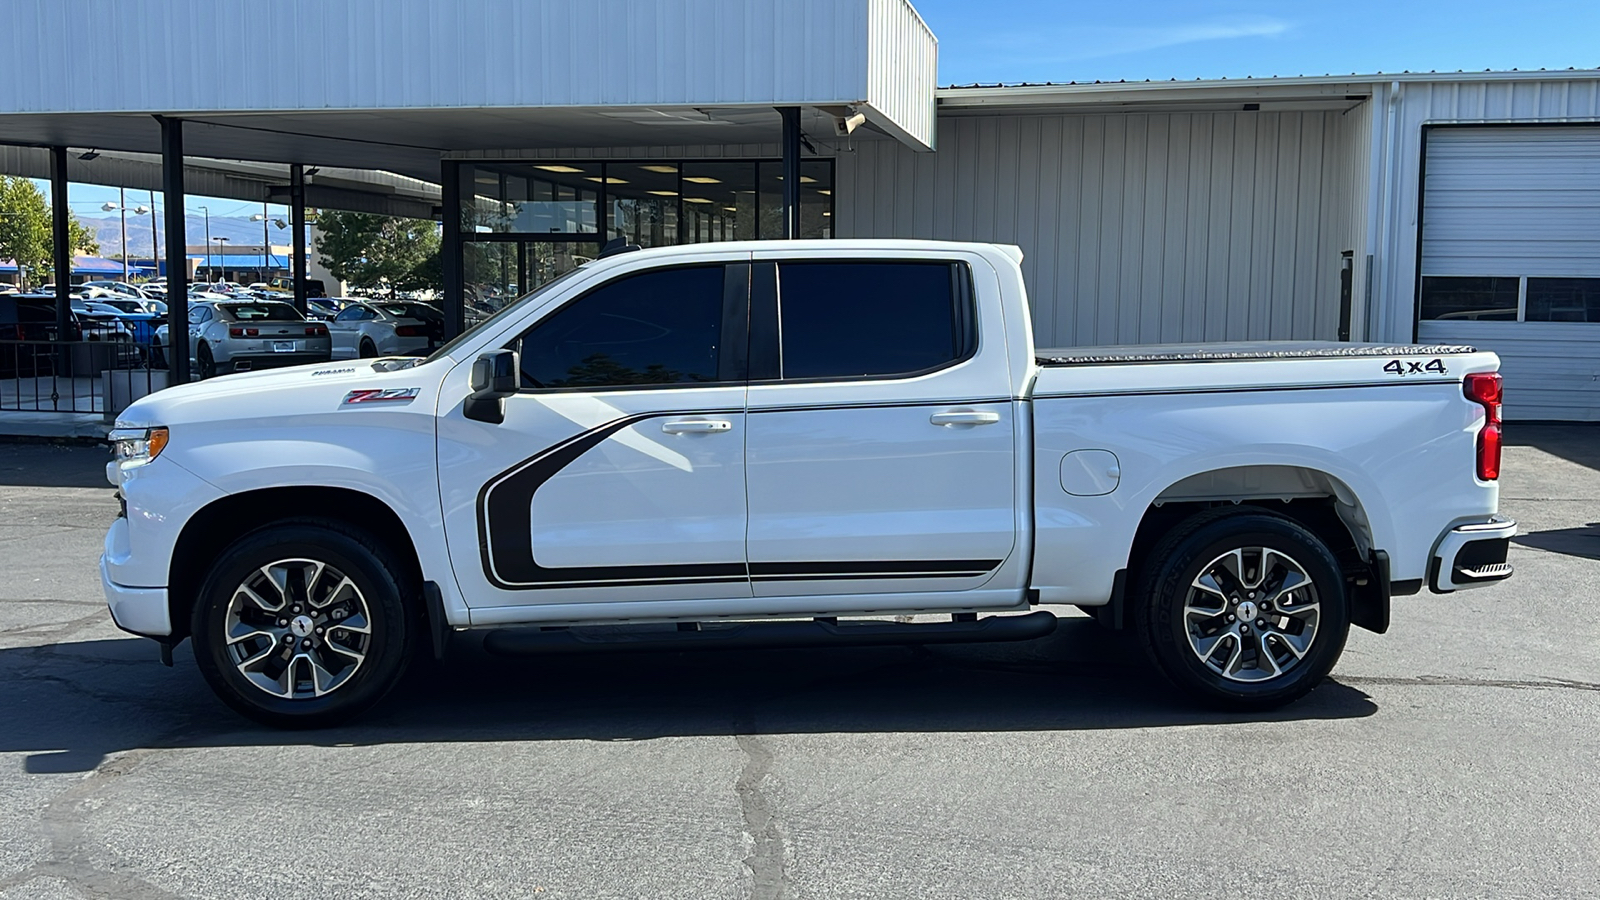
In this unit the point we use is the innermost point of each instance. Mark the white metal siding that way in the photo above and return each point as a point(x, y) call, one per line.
point(1520, 201)
point(1136, 227)
point(181, 56)
point(1574, 100)
point(902, 71)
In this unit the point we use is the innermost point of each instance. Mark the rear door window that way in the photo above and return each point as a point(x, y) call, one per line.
point(849, 320)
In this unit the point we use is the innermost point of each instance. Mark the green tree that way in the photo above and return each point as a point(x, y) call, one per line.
point(375, 251)
point(25, 232)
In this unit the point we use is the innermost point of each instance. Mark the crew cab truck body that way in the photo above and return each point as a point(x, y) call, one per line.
point(750, 444)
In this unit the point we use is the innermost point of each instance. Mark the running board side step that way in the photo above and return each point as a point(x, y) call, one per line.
point(533, 641)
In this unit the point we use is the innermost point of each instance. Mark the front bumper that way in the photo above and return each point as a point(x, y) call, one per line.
point(1472, 556)
point(141, 611)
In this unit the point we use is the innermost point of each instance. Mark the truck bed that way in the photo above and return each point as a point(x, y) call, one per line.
point(1235, 352)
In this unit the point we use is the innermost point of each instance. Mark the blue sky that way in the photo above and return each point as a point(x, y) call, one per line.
point(1038, 40)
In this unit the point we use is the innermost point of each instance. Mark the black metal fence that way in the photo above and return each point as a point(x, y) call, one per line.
point(96, 375)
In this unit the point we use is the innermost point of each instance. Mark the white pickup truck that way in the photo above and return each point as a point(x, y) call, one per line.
point(778, 443)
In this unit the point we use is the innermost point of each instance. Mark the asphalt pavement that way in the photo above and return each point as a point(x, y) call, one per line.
point(1455, 756)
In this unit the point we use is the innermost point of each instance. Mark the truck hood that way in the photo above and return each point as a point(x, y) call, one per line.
point(297, 390)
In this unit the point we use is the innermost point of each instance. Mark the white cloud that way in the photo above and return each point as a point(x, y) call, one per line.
point(1098, 41)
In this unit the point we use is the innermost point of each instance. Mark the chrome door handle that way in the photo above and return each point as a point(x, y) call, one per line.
point(696, 426)
point(964, 417)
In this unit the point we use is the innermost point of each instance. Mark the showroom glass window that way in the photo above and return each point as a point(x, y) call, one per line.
point(1510, 299)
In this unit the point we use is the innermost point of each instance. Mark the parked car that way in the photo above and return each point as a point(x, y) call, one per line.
point(119, 287)
point(31, 318)
point(243, 335)
point(138, 316)
point(314, 286)
point(622, 446)
point(324, 308)
point(382, 328)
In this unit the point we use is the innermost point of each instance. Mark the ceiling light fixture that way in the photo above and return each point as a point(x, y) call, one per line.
point(606, 180)
point(702, 179)
point(663, 193)
point(696, 200)
point(566, 170)
point(665, 170)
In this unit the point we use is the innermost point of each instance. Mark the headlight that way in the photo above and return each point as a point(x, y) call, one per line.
point(134, 447)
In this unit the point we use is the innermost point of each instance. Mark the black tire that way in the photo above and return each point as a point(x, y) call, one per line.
point(205, 364)
point(368, 349)
point(1175, 639)
point(382, 587)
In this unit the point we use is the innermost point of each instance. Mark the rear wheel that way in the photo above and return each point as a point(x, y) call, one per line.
point(368, 349)
point(1243, 608)
point(205, 362)
point(303, 625)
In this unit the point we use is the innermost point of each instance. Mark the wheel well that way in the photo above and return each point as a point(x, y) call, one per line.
point(1324, 505)
point(210, 531)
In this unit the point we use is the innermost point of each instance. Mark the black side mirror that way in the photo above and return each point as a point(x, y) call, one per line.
point(494, 378)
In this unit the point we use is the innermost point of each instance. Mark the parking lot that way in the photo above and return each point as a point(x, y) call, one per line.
point(1455, 756)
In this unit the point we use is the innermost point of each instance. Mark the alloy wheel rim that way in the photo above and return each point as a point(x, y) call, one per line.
point(1252, 614)
point(297, 629)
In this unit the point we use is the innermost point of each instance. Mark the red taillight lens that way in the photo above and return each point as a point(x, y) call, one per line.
point(410, 330)
point(1489, 452)
point(243, 332)
point(317, 330)
point(1487, 389)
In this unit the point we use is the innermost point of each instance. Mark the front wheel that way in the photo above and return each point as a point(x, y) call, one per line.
point(1243, 608)
point(303, 625)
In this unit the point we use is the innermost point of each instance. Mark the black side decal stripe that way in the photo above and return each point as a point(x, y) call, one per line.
point(505, 537)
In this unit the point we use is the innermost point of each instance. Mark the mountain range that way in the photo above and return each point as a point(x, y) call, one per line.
point(239, 231)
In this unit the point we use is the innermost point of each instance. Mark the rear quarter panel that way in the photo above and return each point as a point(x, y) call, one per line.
point(1404, 449)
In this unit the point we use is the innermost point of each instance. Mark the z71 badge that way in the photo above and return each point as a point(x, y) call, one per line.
point(387, 395)
point(1403, 368)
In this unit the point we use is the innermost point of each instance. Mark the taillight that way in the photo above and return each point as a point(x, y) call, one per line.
point(317, 330)
point(1486, 389)
point(410, 330)
point(243, 332)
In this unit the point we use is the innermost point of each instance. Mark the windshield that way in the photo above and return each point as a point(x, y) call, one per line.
point(508, 309)
point(262, 312)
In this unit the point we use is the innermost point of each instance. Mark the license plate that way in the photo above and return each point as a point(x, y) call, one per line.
point(283, 346)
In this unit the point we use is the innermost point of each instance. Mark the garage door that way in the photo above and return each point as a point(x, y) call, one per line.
point(1511, 259)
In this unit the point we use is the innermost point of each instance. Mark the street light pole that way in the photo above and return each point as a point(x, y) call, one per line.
point(222, 252)
point(155, 239)
point(210, 266)
point(266, 241)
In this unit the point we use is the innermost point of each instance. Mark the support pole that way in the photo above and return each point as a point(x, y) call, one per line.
point(177, 348)
point(61, 242)
point(455, 311)
point(791, 171)
point(297, 217)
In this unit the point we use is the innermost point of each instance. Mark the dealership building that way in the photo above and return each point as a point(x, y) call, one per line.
point(1433, 208)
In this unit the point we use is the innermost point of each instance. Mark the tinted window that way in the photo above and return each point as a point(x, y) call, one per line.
point(848, 319)
point(263, 312)
point(351, 314)
point(660, 327)
point(1482, 299)
point(199, 314)
point(1563, 300)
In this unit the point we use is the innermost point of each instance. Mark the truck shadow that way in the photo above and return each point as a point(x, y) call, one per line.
point(1583, 541)
point(70, 706)
point(1572, 441)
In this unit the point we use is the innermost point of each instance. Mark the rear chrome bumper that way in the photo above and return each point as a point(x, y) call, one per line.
point(1472, 556)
